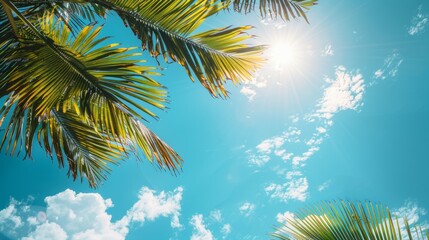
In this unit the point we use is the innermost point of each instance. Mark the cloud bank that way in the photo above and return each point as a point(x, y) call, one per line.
point(71, 215)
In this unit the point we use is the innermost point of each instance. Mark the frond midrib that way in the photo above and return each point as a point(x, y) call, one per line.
point(182, 37)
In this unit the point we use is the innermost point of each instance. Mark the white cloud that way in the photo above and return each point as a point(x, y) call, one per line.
point(216, 215)
point(71, 215)
point(274, 145)
point(202, 226)
point(248, 92)
point(321, 129)
point(265, 146)
point(258, 81)
point(390, 67)
point(413, 213)
point(294, 118)
point(48, 231)
point(200, 231)
point(345, 92)
point(328, 50)
point(257, 159)
point(295, 146)
point(299, 160)
point(226, 229)
point(268, 145)
point(79, 213)
point(9, 217)
point(292, 174)
point(293, 189)
point(32, 221)
point(247, 209)
point(379, 74)
point(272, 22)
point(322, 187)
point(282, 217)
point(418, 23)
point(151, 206)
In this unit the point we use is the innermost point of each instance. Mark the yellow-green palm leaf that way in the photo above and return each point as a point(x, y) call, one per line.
point(167, 28)
point(64, 87)
point(74, 14)
point(285, 9)
point(344, 220)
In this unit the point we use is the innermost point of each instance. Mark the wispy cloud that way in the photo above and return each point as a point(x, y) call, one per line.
point(71, 215)
point(322, 187)
point(247, 209)
point(200, 232)
point(413, 213)
point(296, 145)
point(274, 146)
point(216, 215)
point(390, 67)
point(250, 93)
point(249, 88)
point(344, 92)
point(328, 50)
point(418, 22)
point(226, 230)
point(278, 24)
point(10, 218)
point(295, 188)
point(208, 228)
point(282, 217)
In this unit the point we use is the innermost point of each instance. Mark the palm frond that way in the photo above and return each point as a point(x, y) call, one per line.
point(343, 220)
point(75, 14)
point(167, 28)
point(68, 136)
point(62, 82)
point(285, 9)
point(62, 68)
point(88, 152)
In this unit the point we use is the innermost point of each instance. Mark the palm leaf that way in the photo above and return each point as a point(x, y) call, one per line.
point(347, 220)
point(75, 14)
point(213, 57)
point(285, 9)
point(88, 153)
point(166, 28)
point(63, 82)
point(67, 136)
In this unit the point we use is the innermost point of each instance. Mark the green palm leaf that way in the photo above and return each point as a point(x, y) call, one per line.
point(347, 220)
point(62, 83)
point(75, 14)
point(88, 153)
point(285, 9)
point(167, 28)
point(213, 57)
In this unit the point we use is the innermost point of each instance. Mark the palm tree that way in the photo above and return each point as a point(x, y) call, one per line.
point(85, 100)
point(347, 220)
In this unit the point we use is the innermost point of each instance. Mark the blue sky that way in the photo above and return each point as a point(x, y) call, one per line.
point(347, 118)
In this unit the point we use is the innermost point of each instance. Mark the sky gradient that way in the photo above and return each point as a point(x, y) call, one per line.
point(346, 118)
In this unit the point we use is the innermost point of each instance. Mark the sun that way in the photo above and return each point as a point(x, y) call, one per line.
point(285, 55)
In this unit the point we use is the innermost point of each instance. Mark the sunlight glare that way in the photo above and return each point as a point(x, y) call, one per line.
point(286, 55)
point(283, 55)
